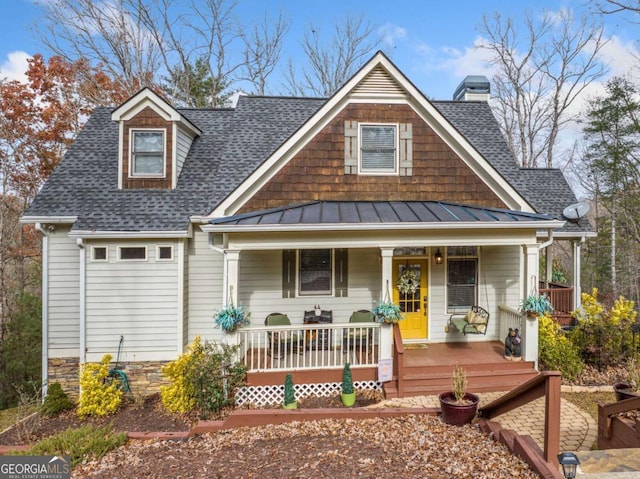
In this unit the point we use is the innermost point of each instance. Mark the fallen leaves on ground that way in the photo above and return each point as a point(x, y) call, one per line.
point(404, 447)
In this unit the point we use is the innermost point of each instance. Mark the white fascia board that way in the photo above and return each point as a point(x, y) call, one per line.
point(49, 219)
point(516, 225)
point(370, 239)
point(148, 98)
point(509, 195)
point(128, 234)
point(568, 234)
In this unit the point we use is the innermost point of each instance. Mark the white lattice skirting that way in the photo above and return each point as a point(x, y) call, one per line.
point(266, 395)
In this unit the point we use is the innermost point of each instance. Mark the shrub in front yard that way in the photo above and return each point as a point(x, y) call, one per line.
point(55, 401)
point(603, 335)
point(99, 395)
point(555, 351)
point(179, 395)
point(205, 378)
point(86, 443)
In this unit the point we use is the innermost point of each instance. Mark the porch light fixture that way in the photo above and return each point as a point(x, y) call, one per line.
point(569, 462)
point(438, 257)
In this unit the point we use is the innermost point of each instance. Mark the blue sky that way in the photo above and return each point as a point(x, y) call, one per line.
point(432, 40)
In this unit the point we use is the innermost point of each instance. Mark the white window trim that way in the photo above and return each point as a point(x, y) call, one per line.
point(93, 256)
point(446, 259)
point(312, 294)
point(132, 132)
point(146, 254)
point(396, 164)
point(158, 258)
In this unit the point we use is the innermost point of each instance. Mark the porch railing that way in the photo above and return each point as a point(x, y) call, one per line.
point(561, 298)
point(309, 346)
point(509, 318)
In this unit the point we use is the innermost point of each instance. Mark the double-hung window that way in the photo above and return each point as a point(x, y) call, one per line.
point(147, 153)
point(315, 271)
point(462, 278)
point(378, 149)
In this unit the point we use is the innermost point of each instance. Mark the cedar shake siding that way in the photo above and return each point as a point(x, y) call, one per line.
point(148, 119)
point(317, 172)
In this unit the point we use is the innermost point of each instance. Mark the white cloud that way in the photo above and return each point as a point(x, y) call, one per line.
point(391, 33)
point(453, 63)
point(15, 67)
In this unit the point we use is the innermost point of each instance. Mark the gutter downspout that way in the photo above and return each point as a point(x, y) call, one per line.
point(548, 242)
point(224, 267)
point(45, 308)
point(82, 305)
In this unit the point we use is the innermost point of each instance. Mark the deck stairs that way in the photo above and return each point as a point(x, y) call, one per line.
point(501, 375)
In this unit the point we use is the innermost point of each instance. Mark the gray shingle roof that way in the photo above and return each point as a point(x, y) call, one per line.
point(234, 142)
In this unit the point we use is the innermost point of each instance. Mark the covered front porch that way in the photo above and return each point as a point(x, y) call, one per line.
point(315, 355)
point(343, 257)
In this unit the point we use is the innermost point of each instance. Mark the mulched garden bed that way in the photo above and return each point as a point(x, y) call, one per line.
point(147, 416)
point(142, 416)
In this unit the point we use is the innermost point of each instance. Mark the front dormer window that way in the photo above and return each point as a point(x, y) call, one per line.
point(378, 151)
point(147, 153)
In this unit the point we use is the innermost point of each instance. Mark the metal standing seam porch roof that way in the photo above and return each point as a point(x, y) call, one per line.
point(410, 213)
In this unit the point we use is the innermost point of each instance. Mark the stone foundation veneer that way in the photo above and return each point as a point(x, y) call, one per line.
point(145, 377)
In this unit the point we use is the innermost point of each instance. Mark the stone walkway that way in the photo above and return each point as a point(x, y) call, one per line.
point(578, 430)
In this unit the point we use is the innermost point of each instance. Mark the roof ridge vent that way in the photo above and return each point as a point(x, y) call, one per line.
point(473, 88)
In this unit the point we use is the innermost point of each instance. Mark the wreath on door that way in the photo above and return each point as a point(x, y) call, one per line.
point(408, 282)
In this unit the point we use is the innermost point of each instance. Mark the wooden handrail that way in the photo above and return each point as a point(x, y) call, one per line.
point(398, 360)
point(606, 411)
point(546, 384)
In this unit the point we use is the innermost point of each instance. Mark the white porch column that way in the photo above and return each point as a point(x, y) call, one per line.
point(386, 333)
point(577, 289)
point(530, 333)
point(549, 260)
point(230, 291)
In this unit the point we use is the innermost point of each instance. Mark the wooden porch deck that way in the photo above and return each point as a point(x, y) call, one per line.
point(426, 369)
point(429, 370)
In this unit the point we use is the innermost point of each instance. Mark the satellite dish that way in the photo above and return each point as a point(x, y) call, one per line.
point(576, 211)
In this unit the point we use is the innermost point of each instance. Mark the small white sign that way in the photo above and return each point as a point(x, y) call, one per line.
point(385, 370)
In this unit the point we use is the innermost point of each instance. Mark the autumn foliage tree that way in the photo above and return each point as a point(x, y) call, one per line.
point(39, 119)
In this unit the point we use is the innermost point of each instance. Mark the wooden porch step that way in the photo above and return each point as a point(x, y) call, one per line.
point(484, 378)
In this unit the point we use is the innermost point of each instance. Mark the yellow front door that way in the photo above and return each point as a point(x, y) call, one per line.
point(412, 303)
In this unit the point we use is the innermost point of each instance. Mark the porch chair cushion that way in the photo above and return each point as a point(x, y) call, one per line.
point(474, 321)
point(357, 337)
point(281, 341)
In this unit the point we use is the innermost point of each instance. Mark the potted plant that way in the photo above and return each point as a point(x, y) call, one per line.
point(289, 393)
point(387, 313)
point(348, 394)
point(230, 318)
point(536, 305)
point(458, 407)
point(628, 388)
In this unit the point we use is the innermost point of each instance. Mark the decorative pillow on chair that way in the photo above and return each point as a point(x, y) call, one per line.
point(480, 327)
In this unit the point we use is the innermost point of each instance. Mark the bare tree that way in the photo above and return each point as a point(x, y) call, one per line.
point(105, 33)
point(143, 42)
point(539, 74)
point(333, 61)
point(608, 7)
point(263, 49)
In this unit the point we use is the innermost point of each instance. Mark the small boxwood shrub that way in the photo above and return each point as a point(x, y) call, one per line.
point(100, 396)
point(55, 401)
